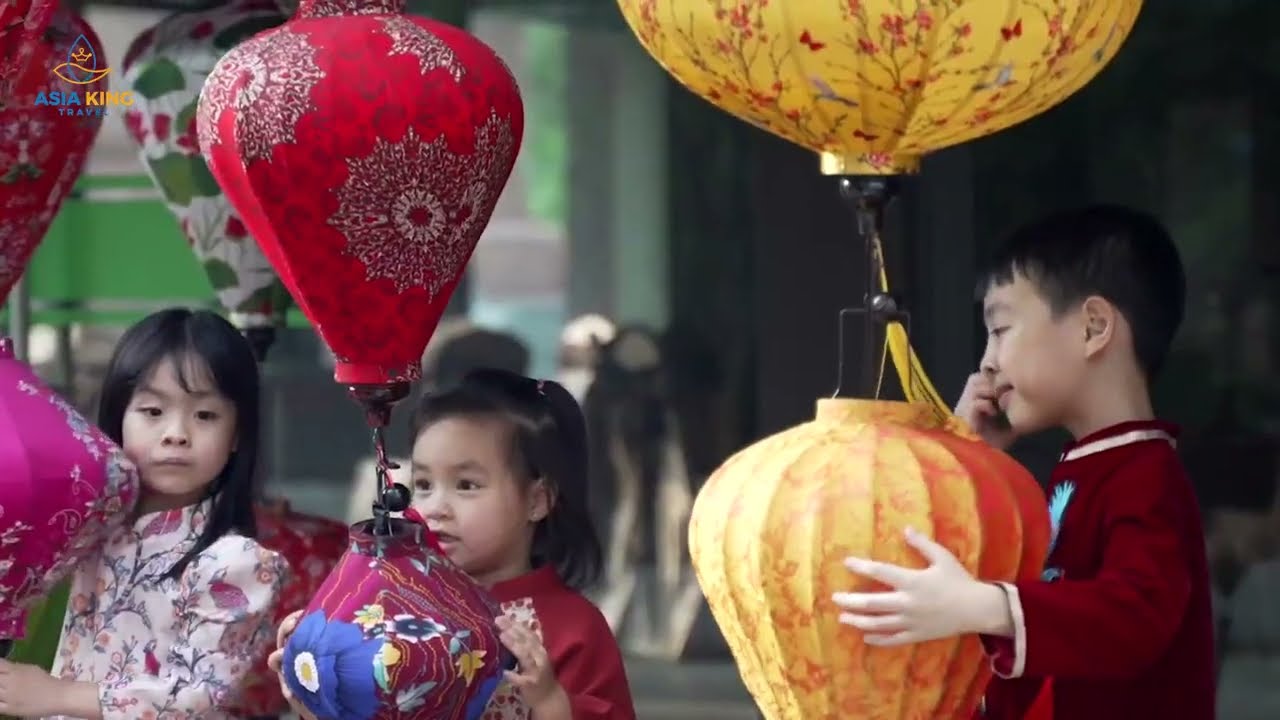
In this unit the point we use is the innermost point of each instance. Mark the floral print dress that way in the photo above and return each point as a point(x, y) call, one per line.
point(169, 648)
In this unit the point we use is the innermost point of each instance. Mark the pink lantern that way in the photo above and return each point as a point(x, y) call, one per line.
point(64, 487)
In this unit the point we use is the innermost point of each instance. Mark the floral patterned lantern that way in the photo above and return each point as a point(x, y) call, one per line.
point(43, 147)
point(165, 67)
point(312, 546)
point(22, 24)
point(366, 174)
point(65, 486)
point(874, 86)
point(392, 635)
point(365, 151)
point(771, 527)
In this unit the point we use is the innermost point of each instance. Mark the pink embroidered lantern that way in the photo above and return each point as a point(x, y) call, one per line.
point(365, 150)
point(43, 147)
point(22, 23)
point(165, 67)
point(64, 487)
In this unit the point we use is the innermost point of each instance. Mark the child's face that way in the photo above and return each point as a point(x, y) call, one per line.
point(180, 439)
point(465, 487)
point(1036, 361)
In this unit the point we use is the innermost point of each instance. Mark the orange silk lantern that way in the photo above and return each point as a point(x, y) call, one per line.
point(771, 528)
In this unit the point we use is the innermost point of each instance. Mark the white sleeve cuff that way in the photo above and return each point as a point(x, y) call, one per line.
point(1019, 632)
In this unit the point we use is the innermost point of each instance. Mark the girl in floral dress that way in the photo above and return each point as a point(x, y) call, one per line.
point(165, 622)
point(500, 475)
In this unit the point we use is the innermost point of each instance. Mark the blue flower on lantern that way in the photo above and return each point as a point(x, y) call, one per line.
point(329, 667)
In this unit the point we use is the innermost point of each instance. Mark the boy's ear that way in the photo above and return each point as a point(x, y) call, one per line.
point(1100, 318)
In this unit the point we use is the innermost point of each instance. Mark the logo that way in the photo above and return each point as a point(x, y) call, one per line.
point(83, 70)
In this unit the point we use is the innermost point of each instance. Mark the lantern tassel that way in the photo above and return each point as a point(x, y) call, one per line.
point(377, 402)
point(869, 197)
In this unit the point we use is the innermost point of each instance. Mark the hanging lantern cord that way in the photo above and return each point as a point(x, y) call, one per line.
point(868, 196)
point(377, 401)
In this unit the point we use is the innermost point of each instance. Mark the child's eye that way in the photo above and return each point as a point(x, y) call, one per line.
point(998, 331)
point(207, 415)
point(468, 485)
point(421, 485)
point(150, 411)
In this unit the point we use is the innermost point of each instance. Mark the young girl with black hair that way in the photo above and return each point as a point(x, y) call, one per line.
point(500, 475)
point(166, 620)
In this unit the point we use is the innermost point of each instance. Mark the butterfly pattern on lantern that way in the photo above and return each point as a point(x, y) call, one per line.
point(386, 197)
point(882, 82)
point(263, 125)
point(409, 39)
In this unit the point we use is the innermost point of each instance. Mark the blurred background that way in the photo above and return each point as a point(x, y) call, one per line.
point(681, 272)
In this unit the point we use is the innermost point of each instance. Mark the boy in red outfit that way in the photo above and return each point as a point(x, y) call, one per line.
point(1080, 309)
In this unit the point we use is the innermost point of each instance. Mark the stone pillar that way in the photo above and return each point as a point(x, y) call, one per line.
point(591, 203)
point(639, 167)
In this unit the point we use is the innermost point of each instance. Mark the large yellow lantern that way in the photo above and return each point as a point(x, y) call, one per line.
point(771, 528)
point(875, 84)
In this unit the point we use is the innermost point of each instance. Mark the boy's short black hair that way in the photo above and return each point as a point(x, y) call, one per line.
point(1123, 255)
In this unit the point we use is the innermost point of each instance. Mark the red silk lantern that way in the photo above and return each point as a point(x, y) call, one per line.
point(365, 150)
point(22, 23)
point(43, 147)
point(165, 67)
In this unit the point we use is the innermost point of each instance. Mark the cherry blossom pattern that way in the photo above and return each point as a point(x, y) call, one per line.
point(388, 198)
point(284, 61)
point(408, 38)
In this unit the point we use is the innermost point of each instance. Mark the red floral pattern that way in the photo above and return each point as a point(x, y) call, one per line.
point(41, 151)
point(365, 153)
point(22, 25)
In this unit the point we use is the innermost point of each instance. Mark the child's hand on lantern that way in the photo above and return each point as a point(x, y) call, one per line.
point(534, 676)
point(942, 600)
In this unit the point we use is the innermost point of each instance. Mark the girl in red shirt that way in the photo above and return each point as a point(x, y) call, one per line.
point(500, 474)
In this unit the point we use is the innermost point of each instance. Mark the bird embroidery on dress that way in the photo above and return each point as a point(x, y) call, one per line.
point(1058, 502)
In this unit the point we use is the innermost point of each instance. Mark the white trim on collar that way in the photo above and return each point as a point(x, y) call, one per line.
point(1115, 441)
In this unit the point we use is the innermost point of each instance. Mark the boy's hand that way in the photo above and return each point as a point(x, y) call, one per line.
point(978, 407)
point(942, 600)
